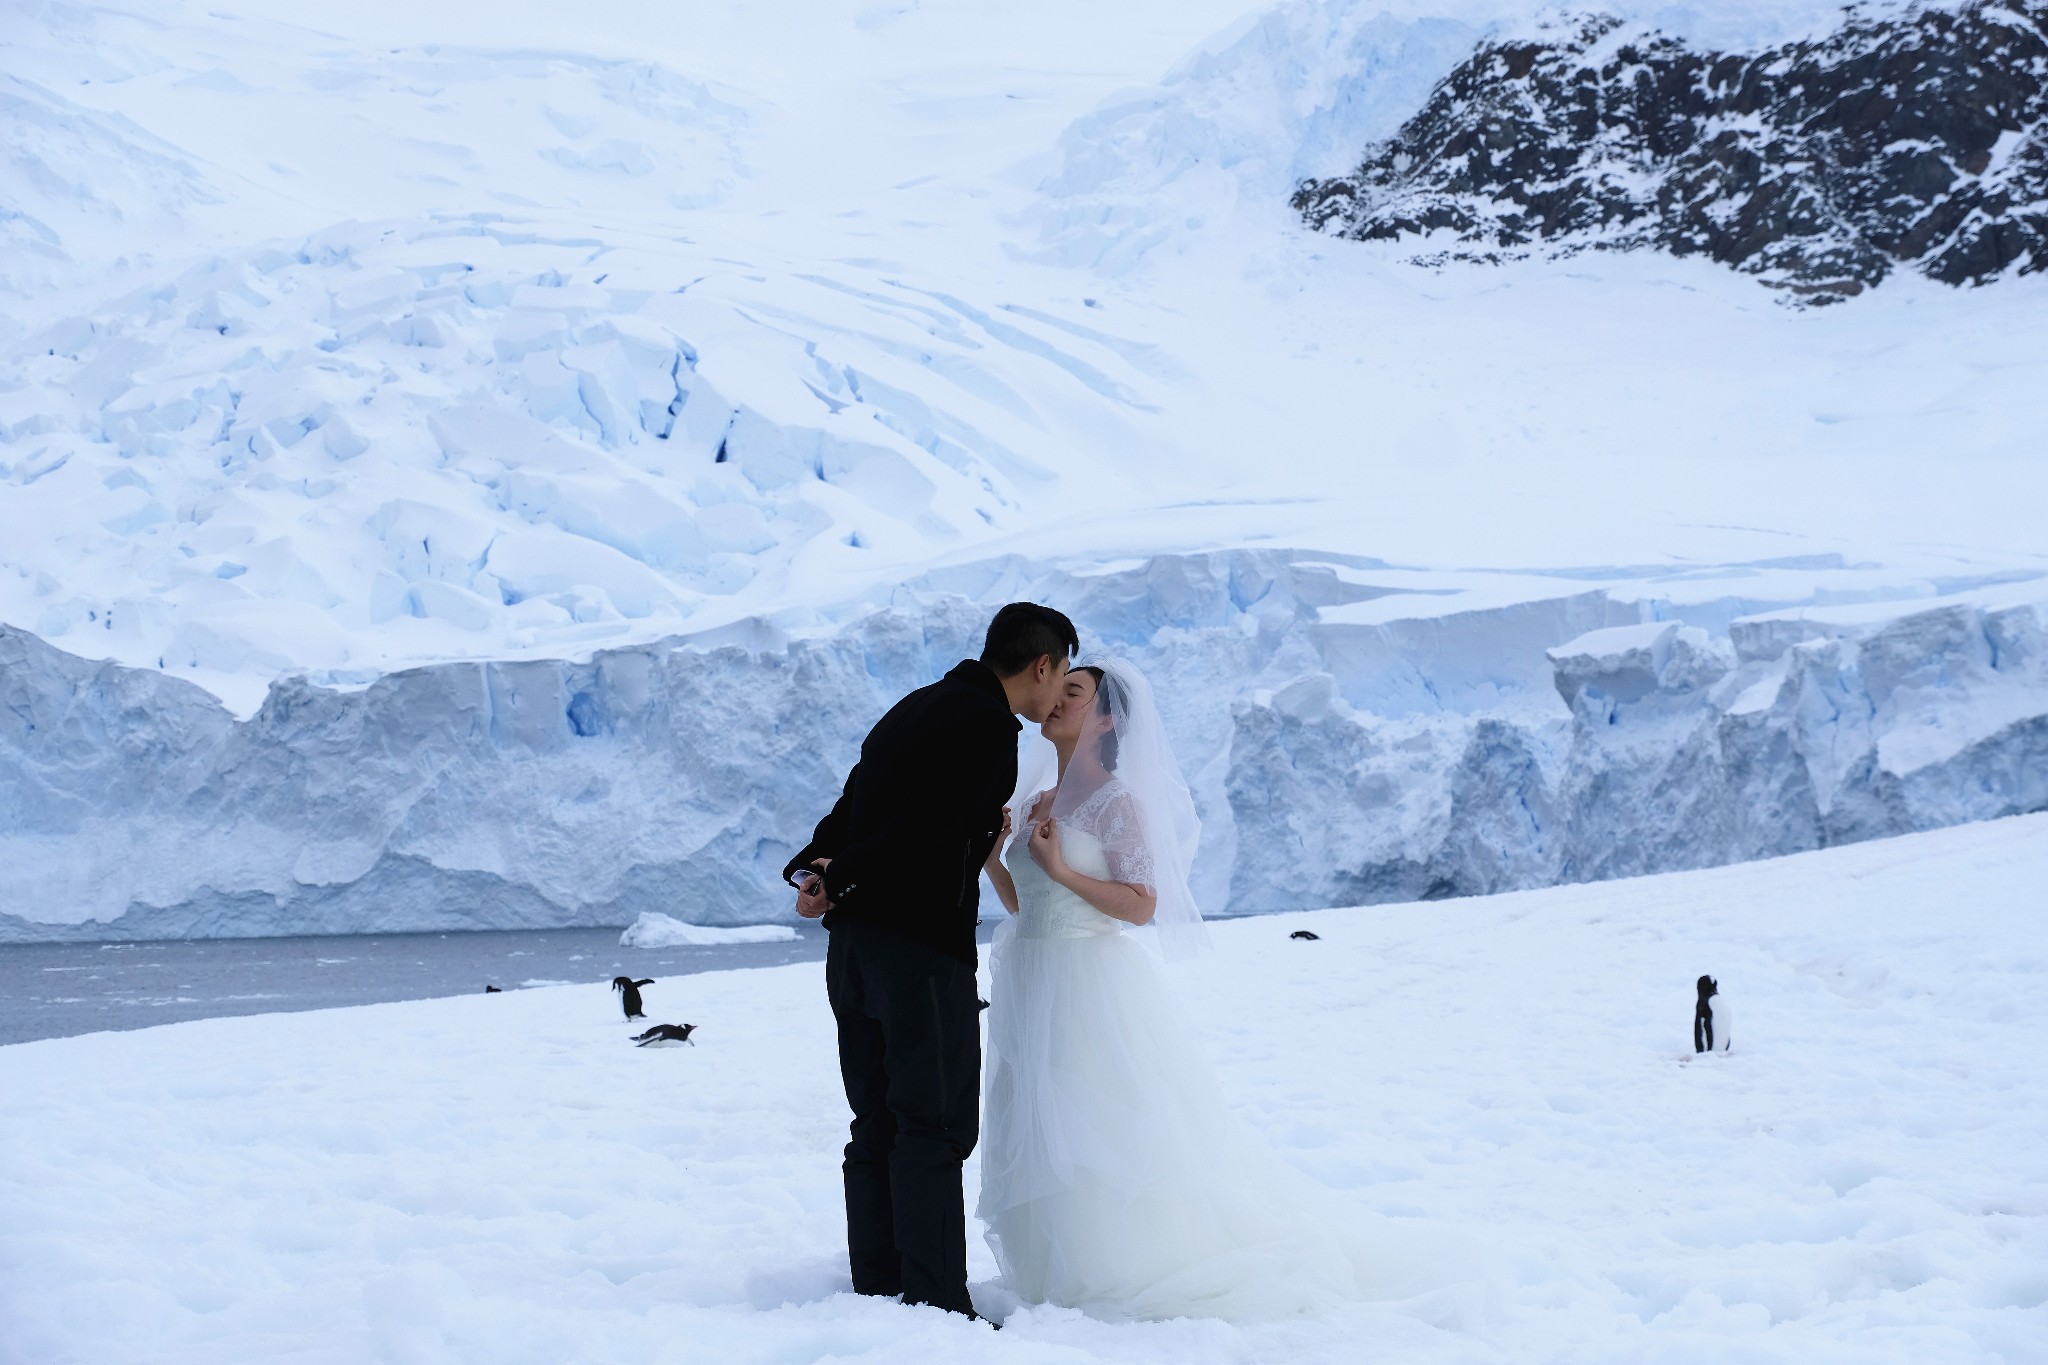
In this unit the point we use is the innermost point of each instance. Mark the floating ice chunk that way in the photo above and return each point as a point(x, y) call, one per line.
point(656, 930)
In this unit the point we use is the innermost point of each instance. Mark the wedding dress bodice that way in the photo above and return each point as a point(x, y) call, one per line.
point(1096, 839)
point(1045, 909)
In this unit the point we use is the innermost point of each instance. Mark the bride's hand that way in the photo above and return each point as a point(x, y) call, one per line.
point(1045, 848)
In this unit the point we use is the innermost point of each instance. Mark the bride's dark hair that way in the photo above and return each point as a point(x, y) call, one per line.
point(1108, 692)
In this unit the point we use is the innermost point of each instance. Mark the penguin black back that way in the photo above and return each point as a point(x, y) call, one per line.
point(629, 994)
point(1703, 1018)
point(1310, 935)
point(666, 1035)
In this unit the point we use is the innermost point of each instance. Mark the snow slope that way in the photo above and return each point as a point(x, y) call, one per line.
point(368, 346)
point(1864, 1178)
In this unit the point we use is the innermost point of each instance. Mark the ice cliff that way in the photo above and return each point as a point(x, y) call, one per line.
point(1349, 738)
point(1681, 749)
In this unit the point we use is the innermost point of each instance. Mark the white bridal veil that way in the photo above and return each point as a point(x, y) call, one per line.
point(1148, 828)
point(1115, 1177)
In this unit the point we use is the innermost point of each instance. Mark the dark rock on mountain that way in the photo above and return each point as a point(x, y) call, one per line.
point(1908, 137)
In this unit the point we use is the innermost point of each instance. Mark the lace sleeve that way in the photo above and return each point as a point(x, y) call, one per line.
point(1122, 835)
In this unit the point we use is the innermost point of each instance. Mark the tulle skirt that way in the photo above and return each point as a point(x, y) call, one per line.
point(1115, 1178)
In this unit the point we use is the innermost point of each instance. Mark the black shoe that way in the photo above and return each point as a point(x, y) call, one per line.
point(967, 1312)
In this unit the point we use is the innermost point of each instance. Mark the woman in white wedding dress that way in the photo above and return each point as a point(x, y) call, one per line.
point(1115, 1178)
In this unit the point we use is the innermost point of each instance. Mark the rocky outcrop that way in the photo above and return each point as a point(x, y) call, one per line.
point(1906, 139)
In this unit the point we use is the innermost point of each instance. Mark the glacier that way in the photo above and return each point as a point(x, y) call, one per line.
point(448, 482)
point(1350, 739)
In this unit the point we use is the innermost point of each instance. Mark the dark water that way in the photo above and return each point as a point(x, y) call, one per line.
point(53, 990)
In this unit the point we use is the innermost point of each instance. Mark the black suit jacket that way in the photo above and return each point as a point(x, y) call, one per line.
point(921, 812)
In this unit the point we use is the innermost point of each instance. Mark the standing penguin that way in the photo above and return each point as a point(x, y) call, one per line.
point(1710, 1030)
point(629, 993)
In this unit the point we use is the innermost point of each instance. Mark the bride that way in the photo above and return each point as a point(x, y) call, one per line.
point(1115, 1178)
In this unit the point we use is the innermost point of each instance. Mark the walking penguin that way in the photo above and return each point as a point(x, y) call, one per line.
point(1710, 1031)
point(629, 992)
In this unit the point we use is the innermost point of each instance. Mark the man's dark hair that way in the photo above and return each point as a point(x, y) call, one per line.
point(1021, 633)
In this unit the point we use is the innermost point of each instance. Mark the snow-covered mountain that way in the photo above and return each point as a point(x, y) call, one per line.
point(467, 465)
point(1914, 138)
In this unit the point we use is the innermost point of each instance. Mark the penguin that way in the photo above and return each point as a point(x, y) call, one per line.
point(1304, 933)
point(1710, 1028)
point(666, 1035)
point(493, 990)
point(629, 992)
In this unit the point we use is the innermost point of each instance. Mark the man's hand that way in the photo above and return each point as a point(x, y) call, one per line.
point(810, 898)
point(995, 855)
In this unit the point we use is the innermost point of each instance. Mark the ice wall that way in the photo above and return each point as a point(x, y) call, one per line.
point(1349, 740)
point(1681, 749)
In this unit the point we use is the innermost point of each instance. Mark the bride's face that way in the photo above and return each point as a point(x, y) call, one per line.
point(1076, 716)
point(1063, 723)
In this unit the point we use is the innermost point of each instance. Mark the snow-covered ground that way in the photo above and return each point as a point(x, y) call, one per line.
point(1864, 1178)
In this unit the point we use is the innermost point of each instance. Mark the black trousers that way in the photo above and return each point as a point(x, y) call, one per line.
point(910, 1055)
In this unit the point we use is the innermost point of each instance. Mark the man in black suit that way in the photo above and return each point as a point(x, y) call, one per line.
point(895, 871)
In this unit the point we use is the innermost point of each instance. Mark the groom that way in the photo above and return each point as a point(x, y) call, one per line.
point(895, 870)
